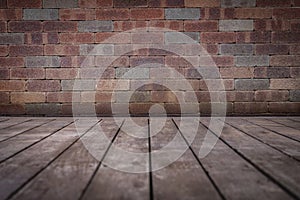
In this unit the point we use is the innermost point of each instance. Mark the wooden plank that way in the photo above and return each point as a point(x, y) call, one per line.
point(22, 128)
point(297, 119)
point(277, 128)
point(68, 175)
point(3, 119)
point(279, 168)
point(20, 169)
point(182, 179)
point(233, 176)
point(13, 121)
point(286, 122)
point(110, 183)
point(16, 144)
point(278, 142)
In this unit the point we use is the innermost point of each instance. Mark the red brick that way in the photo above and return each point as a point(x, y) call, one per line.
point(269, 95)
point(250, 107)
point(146, 14)
point(4, 97)
point(211, 13)
point(222, 61)
point(272, 3)
point(128, 25)
point(60, 97)
point(3, 27)
point(296, 3)
point(77, 14)
point(104, 97)
point(139, 108)
point(69, 73)
point(140, 60)
point(215, 83)
point(292, 84)
point(202, 3)
point(286, 13)
point(10, 14)
point(9, 62)
point(163, 96)
point(24, 26)
point(284, 107)
point(23, 50)
point(3, 4)
point(252, 13)
point(236, 72)
point(285, 37)
point(168, 24)
point(3, 50)
point(41, 38)
point(295, 49)
point(295, 25)
point(12, 109)
point(95, 3)
point(61, 50)
point(78, 61)
point(120, 38)
point(60, 26)
point(27, 73)
point(295, 72)
point(211, 48)
point(24, 3)
point(165, 3)
point(43, 85)
point(113, 84)
point(254, 37)
point(132, 3)
point(201, 26)
point(27, 97)
point(271, 25)
point(12, 85)
point(218, 37)
point(112, 14)
point(4, 74)
point(285, 60)
point(177, 61)
point(76, 38)
point(267, 49)
point(147, 37)
point(240, 96)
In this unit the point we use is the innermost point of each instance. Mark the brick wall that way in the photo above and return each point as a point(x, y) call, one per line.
point(45, 45)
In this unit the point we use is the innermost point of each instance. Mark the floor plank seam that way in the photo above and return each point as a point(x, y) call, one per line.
point(150, 163)
point(16, 124)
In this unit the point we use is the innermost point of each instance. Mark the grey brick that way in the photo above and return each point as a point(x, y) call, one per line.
point(95, 26)
point(237, 3)
point(48, 109)
point(236, 25)
point(236, 49)
point(249, 61)
point(42, 61)
point(40, 14)
point(81, 85)
point(252, 84)
point(138, 96)
point(175, 37)
point(295, 95)
point(133, 73)
point(97, 49)
point(11, 38)
point(60, 3)
point(182, 13)
point(278, 72)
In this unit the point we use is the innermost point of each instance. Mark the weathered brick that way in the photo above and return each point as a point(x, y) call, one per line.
point(268, 49)
point(97, 73)
point(9, 62)
point(141, 60)
point(77, 14)
point(295, 72)
point(217, 37)
point(134, 3)
point(4, 97)
point(206, 108)
point(27, 73)
point(252, 13)
point(201, 26)
point(112, 84)
point(252, 60)
point(128, 25)
point(42, 61)
point(137, 96)
point(292, 84)
point(237, 3)
point(121, 38)
point(146, 14)
point(285, 60)
point(10, 14)
point(95, 26)
point(24, 4)
point(27, 97)
point(3, 4)
point(284, 107)
point(43, 85)
point(202, 3)
point(269, 95)
point(12, 109)
point(254, 37)
point(119, 61)
point(95, 3)
point(237, 72)
point(77, 61)
point(182, 13)
point(296, 3)
point(61, 50)
point(240, 96)
point(295, 95)
point(285, 37)
point(132, 73)
point(47, 109)
point(168, 24)
point(60, 3)
point(215, 84)
point(278, 72)
point(163, 97)
point(270, 3)
point(67, 73)
point(4, 74)
point(11, 38)
point(251, 84)
point(236, 49)
point(41, 38)
point(104, 96)
point(166, 3)
point(175, 37)
point(220, 61)
point(147, 37)
point(3, 27)
point(3, 50)
point(163, 72)
point(261, 72)
point(294, 49)
point(59, 97)
point(139, 108)
point(81, 85)
point(286, 13)
point(112, 14)
point(12, 85)
point(22, 50)
point(295, 25)
point(40, 14)
point(236, 25)
point(24, 26)
point(100, 49)
point(76, 38)
point(250, 107)
point(271, 25)
point(60, 26)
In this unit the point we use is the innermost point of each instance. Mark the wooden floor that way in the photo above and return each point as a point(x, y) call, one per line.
point(255, 158)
